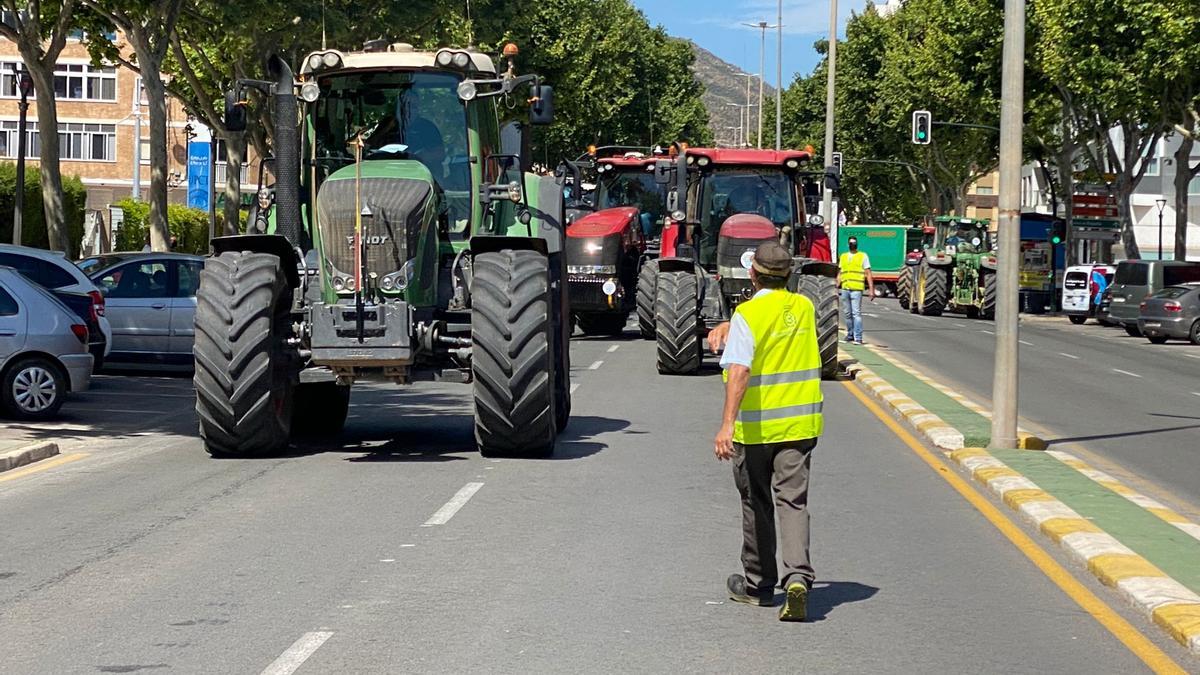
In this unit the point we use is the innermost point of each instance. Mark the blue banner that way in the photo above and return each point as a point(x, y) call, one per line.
point(199, 156)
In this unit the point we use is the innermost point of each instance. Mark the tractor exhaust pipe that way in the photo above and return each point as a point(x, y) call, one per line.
point(287, 152)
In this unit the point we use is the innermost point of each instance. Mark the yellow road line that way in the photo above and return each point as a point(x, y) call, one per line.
point(41, 466)
point(1141, 646)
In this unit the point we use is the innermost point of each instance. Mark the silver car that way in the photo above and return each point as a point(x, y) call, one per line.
point(151, 304)
point(43, 349)
point(1173, 312)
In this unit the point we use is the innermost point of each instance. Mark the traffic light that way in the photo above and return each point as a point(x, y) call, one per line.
point(837, 163)
point(922, 127)
point(1058, 232)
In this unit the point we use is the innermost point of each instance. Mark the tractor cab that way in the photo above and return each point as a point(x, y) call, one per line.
point(962, 235)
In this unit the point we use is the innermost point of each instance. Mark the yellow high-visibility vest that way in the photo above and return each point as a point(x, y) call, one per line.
point(854, 276)
point(783, 398)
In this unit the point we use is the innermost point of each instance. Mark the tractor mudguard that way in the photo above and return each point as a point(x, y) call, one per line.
point(274, 244)
point(676, 265)
point(817, 268)
point(988, 264)
point(490, 244)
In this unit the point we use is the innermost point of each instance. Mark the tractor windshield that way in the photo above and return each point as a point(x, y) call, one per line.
point(969, 237)
point(400, 115)
point(768, 192)
point(632, 188)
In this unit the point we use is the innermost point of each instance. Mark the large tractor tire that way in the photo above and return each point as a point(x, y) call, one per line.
point(512, 359)
point(602, 324)
point(245, 376)
point(904, 285)
point(934, 290)
point(988, 309)
point(677, 323)
point(647, 291)
point(823, 293)
point(320, 408)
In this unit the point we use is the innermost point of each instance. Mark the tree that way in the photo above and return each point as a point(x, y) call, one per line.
point(147, 26)
point(40, 32)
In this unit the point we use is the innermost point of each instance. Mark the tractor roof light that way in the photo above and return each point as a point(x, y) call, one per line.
point(467, 90)
point(702, 160)
point(314, 62)
point(792, 164)
point(514, 192)
point(309, 91)
point(444, 58)
point(462, 59)
point(331, 60)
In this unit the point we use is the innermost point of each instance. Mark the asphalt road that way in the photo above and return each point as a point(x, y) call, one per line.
point(1117, 397)
point(399, 549)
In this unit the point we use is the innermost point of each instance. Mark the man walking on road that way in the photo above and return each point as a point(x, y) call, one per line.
point(769, 427)
point(854, 274)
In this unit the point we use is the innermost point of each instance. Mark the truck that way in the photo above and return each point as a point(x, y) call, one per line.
point(407, 241)
point(885, 245)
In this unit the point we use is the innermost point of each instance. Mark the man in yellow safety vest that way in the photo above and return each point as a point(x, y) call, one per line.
point(854, 275)
point(771, 422)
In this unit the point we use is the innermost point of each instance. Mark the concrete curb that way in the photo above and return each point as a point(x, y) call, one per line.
point(1165, 601)
point(29, 454)
point(933, 427)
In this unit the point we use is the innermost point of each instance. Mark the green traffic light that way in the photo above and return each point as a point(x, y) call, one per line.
point(1056, 240)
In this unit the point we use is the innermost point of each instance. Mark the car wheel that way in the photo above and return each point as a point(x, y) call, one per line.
point(34, 389)
point(1077, 319)
point(1194, 334)
point(1157, 339)
point(1132, 330)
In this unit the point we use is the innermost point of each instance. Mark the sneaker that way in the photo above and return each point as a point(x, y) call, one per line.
point(738, 592)
point(859, 342)
point(795, 605)
point(849, 339)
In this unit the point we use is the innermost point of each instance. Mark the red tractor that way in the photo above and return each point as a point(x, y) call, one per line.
point(610, 240)
point(730, 202)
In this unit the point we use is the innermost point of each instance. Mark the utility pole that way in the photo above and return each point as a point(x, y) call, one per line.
point(749, 107)
point(830, 77)
point(137, 142)
point(779, 76)
point(762, 26)
point(1012, 104)
point(25, 84)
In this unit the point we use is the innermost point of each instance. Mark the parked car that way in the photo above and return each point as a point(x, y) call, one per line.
point(85, 308)
point(1102, 311)
point(1173, 312)
point(1084, 287)
point(151, 304)
point(1137, 280)
point(43, 349)
point(51, 270)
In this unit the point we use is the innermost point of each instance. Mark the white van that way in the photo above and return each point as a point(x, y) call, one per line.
point(1083, 286)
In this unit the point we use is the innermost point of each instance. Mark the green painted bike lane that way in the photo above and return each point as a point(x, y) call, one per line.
point(1173, 551)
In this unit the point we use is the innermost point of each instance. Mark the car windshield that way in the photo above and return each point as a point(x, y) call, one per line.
point(399, 115)
point(767, 192)
point(1171, 292)
point(97, 263)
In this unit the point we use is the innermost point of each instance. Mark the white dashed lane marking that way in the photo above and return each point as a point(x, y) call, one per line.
point(459, 500)
point(1069, 356)
point(574, 387)
point(984, 330)
point(1125, 372)
point(613, 348)
point(596, 365)
point(1025, 342)
point(295, 656)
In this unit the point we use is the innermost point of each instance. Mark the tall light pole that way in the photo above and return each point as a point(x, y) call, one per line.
point(749, 107)
point(827, 197)
point(1162, 204)
point(25, 85)
point(762, 26)
point(779, 76)
point(1012, 103)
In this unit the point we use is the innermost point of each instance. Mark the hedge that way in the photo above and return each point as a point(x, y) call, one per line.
point(33, 226)
point(189, 225)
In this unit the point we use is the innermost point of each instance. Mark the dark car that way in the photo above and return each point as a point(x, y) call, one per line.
point(1173, 312)
point(84, 307)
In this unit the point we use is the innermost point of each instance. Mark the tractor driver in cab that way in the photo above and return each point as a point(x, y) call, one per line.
point(744, 199)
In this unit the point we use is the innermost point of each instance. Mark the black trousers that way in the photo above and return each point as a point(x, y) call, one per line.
point(781, 469)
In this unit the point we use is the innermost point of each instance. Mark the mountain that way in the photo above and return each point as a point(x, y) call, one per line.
point(724, 84)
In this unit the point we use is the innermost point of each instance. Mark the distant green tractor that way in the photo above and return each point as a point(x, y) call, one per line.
point(958, 271)
point(404, 240)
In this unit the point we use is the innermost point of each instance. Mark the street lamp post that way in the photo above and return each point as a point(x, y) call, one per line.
point(25, 84)
point(749, 107)
point(779, 76)
point(1162, 204)
point(762, 26)
point(827, 195)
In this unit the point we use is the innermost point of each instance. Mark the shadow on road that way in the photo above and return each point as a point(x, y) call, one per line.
point(826, 595)
point(1124, 434)
point(576, 441)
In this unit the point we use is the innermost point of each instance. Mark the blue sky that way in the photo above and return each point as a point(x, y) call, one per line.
point(716, 26)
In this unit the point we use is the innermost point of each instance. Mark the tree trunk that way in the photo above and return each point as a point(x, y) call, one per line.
point(234, 158)
point(156, 95)
point(50, 172)
point(1125, 209)
point(1183, 176)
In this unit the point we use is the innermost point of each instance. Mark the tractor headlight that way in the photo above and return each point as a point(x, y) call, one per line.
point(691, 160)
point(678, 216)
point(309, 91)
point(816, 219)
point(461, 59)
point(339, 284)
point(792, 164)
point(388, 283)
point(514, 192)
point(264, 199)
point(443, 59)
point(314, 62)
point(350, 283)
point(703, 161)
point(399, 280)
point(467, 90)
point(331, 60)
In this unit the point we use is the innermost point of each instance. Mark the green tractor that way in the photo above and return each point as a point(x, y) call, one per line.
point(403, 240)
point(957, 273)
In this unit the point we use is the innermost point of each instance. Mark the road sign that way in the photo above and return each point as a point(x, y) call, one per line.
point(1097, 223)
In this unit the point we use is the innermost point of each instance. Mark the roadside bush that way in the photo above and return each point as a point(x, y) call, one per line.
point(189, 225)
point(33, 227)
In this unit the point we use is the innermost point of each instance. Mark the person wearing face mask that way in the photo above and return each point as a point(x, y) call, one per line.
point(854, 275)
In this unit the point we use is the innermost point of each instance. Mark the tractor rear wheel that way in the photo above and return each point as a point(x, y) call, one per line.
point(245, 371)
point(904, 286)
point(988, 309)
point(934, 290)
point(677, 323)
point(823, 293)
point(602, 324)
point(647, 290)
point(320, 408)
point(512, 358)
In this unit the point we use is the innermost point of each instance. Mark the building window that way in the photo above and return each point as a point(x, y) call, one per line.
point(91, 142)
point(983, 190)
point(1194, 186)
point(85, 82)
point(144, 154)
point(1153, 159)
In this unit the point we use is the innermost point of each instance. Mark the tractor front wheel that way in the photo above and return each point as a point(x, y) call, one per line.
point(988, 309)
point(934, 290)
point(245, 370)
point(677, 323)
point(823, 293)
point(512, 358)
point(647, 290)
point(904, 287)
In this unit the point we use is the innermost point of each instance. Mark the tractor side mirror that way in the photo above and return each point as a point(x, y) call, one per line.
point(235, 112)
point(662, 171)
point(541, 110)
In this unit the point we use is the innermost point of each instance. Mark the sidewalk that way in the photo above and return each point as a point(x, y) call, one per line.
point(1147, 552)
